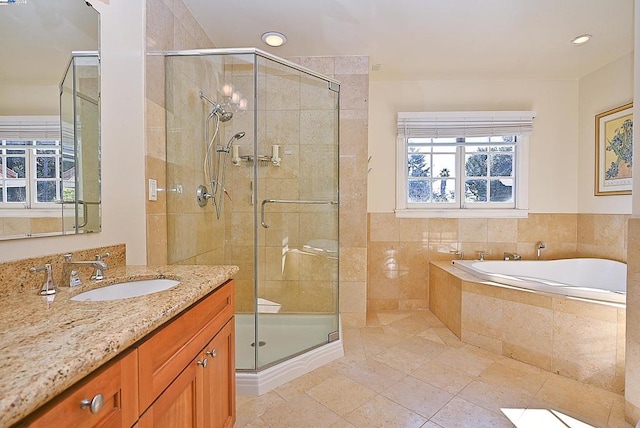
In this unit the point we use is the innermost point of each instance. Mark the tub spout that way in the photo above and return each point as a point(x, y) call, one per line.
point(512, 256)
point(539, 247)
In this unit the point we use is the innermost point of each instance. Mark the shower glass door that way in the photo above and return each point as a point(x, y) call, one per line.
point(296, 208)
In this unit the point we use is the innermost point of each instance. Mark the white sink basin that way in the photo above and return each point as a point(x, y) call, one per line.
point(124, 290)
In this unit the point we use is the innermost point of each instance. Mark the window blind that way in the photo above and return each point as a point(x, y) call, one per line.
point(464, 124)
point(29, 128)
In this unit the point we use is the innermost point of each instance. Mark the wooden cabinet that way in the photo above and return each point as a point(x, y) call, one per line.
point(106, 398)
point(199, 346)
point(181, 375)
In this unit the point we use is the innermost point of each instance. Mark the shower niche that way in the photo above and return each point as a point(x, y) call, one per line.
point(252, 177)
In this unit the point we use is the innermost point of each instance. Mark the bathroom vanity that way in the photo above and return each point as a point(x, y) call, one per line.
point(163, 359)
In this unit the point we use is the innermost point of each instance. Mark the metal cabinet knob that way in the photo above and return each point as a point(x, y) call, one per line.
point(94, 405)
point(203, 363)
point(212, 353)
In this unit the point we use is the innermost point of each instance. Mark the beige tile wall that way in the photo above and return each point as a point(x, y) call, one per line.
point(400, 249)
point(169, 26)
point(580, 340)
point(632, 370)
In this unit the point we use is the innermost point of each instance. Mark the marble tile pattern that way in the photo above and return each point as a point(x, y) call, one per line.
point(400, 249)
point(404, 369)
point(47, 346)
point(580, 339)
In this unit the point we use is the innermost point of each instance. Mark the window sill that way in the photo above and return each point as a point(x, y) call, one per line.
point(464, 213)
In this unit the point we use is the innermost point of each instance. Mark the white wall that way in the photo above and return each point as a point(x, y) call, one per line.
point(123, 162)
point(554, 143)
point(29, 100)
point(604, 89)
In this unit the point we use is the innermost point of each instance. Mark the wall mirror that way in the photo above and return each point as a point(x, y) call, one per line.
point(49, 118)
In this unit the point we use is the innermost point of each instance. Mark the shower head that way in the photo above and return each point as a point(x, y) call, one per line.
point(224, 116)
point(234, 138)
point(218, 110)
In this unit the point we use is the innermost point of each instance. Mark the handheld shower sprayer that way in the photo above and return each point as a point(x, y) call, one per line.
point(234, 138)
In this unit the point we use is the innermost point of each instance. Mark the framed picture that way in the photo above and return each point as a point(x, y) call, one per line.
point(614, 151)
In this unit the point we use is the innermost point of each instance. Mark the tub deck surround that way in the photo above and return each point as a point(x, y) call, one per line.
point(576, 338)
point(47, 346)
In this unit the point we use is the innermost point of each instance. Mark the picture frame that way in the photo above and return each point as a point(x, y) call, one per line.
point(614, 150)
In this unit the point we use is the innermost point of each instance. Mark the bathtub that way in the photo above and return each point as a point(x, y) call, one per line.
point(597, 279)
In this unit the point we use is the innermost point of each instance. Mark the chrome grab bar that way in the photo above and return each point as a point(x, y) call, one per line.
point(289, 201)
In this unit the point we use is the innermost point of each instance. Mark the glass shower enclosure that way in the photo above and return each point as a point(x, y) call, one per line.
point(252, 177)
point(80, 141)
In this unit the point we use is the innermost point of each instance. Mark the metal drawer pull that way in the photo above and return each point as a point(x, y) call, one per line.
point(289, 201)
point(94, 405)
point(203, 363)
point(212, 353)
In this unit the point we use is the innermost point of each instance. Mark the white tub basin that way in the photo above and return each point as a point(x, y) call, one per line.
point(124, 290)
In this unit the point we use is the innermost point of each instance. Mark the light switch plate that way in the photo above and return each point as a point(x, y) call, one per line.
point(153, 190)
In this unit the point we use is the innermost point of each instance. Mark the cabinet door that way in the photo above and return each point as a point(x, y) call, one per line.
point(171, 348)
point(180, 405)
point(105, 398)
point(219, 379)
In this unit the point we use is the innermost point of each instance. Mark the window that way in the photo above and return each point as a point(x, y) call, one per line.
point(29, 173)
point(30, 162)
point(460, 164)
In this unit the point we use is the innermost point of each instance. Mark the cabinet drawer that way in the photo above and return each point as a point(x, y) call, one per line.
point(117, 382)
point(167, 352)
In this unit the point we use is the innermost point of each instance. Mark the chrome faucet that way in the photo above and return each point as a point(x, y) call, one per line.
point(512, 256)
point(539, 247)
point(98, 266)
point(458, 253)
point(49, 287)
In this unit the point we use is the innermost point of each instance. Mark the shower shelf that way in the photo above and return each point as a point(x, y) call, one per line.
point(262, 159)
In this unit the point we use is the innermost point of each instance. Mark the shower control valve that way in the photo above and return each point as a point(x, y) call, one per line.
point(202, 195)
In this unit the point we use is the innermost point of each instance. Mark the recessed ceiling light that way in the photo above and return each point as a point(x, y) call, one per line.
point(581, 39)
point(273, 38)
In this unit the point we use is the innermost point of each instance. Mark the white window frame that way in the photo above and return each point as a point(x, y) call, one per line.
point(464, 124)
point(31, 129)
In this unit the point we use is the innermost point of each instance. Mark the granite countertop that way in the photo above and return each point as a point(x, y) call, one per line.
point(47, 346)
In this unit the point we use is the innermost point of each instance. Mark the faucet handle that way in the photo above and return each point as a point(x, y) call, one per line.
point(48, 287)
point(98, 274)
point(102, 256)
point(68, 257)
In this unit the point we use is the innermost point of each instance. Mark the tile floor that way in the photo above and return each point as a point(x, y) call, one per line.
point(405, 369)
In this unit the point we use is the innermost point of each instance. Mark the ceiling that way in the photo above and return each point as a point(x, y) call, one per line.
point(433, 39)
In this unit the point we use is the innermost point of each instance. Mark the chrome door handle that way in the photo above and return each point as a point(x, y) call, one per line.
point(203, 363)
point(212, 353)
point(288, 201)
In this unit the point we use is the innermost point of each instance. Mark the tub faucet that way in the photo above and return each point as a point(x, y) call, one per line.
point(539, 247)
point(458, 253)
point(512, 256)
point(98, 265)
